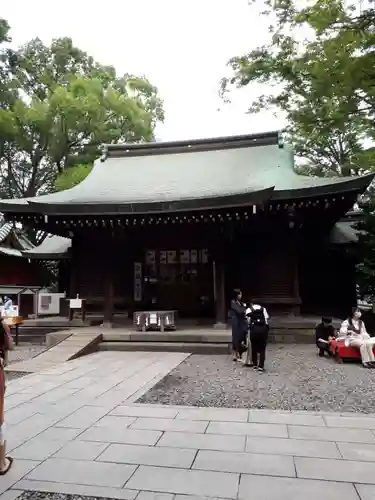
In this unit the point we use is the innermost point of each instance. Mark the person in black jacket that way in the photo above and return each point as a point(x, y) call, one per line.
point(258, 329)
point(239, 324)
point(324, 332)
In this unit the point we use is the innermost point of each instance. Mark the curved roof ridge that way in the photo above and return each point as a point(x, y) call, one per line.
point(220, 175)
point(52, 248)
point(189, 145)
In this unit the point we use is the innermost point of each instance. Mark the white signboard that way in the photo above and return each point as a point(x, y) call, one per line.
point(153, 319)
point(172, 256)
point(204, 256)
point(75, 303)
point(193, 256)
point(163, 257)
point(150, 257)
point(49, 303)
point(137, 282)
point(185, 256)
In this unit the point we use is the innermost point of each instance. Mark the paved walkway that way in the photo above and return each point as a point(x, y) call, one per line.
point(75, 342)
point(74, 429)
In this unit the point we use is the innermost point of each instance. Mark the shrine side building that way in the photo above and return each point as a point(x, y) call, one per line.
point(178, 225)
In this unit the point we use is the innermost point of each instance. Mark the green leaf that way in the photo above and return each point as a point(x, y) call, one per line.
point(58, 106)
point(324, 85)
point(72, 176)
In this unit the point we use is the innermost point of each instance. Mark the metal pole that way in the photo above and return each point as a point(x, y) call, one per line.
point(17, 334)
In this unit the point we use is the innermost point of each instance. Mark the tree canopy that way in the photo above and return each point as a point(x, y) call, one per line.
point(70, 177)
point(319, 68)
point(59, 107)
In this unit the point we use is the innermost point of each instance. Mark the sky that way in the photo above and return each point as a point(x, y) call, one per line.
point(181, 47)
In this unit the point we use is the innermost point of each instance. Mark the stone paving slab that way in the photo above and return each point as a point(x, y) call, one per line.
point(242, 429)
point(165, 424)
point(245, 463)
point(332, 434)
point(121, 435)
point(81, 450)
point(350, 422)
point(217, 414)
point(348, 471)
point(357, 451)
point(19, 469)
point(82, 472)
point(366, 492)
point(113, 421)
point(65, 350)
point(261, 416)
point(202, 441)
point(78, 489)
point(293, 447)
point(11, 494)
point(272, 488)
point(74, 429)
point(149, 455)
point(185, 481)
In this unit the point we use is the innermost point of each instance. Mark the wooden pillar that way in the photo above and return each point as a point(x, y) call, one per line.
point(108, 295)
point(296, 287)
point(108, 300)
point(219, 293)
point(74, 263)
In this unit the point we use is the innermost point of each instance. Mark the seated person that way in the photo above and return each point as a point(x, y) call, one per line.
point(324, 332)
point(356, 335)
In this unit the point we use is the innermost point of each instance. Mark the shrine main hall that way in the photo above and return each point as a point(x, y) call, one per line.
point(178, 225)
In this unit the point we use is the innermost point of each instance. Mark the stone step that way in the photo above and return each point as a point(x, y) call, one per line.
point(182, 336)
point(70, 347)
point(288, 336)
point(191, 347)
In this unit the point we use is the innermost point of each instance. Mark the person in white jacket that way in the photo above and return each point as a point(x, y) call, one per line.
point(354, 330)
point(7, 304)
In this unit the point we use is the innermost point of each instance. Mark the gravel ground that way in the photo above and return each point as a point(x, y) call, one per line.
point(295, 379)
point(21, 353)
point(25, 351)
point(39, 495)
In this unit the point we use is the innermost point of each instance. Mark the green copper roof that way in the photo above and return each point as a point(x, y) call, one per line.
point(51, 248)
point(174, 176)
point(13, 240)
point(344, 232)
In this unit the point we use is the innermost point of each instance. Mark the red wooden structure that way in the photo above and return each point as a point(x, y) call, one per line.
point(178, 225)
point(341, 352)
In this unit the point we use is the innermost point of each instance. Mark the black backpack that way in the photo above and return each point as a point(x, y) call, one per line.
point(257, 316)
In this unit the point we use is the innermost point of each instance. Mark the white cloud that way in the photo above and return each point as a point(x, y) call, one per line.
point(182, 47)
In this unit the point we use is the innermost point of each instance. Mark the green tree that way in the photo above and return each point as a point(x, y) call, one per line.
point(366, 248)
point(72, 176)
point(6, 93)
point(67, 106)
point(322, 85)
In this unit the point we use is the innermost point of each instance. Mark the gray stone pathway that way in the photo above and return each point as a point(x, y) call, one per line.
point(74, 429)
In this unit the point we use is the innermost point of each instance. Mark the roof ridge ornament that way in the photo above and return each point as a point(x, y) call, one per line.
point(105, 154)
point(190, 145)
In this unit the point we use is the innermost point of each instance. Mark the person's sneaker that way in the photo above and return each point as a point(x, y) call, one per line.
point(260, 369)
point(255, 367)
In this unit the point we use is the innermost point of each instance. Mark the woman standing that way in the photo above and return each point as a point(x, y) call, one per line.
point(6, 345)
point(237, 309)
point(357, 336)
